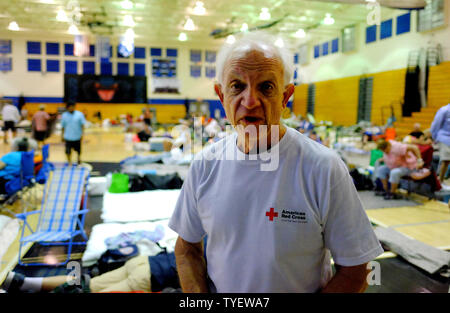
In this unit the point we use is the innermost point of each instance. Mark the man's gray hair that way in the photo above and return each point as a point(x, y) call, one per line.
point(255, 41)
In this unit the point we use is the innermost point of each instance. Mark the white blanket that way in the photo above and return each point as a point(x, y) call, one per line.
point(9, 228)
point(96, 244)
point(139, 206)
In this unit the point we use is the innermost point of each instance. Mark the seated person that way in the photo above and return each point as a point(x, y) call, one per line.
point(305, 126)
point(145, 133)
point(400, 160)
point(313, 135)
point(424, 139)
point(140, 273)
point(417, 133)
point(32, 144)
point(371, 134)
point(10, 163)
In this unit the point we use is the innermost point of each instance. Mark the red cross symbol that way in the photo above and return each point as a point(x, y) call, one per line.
point(271, 214)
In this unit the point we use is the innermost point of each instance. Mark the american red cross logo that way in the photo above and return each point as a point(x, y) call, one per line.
point(271, 214)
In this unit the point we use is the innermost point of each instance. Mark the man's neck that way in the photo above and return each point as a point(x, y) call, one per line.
point(252, 145)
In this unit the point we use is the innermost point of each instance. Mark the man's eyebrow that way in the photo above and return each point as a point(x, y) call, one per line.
point(234, 78)
point(265, 76)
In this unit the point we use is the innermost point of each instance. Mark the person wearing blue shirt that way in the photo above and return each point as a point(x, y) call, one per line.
point(10, 164)
point(440, 132)
point(72, 123)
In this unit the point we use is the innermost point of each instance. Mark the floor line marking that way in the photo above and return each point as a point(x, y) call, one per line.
point(420, 223)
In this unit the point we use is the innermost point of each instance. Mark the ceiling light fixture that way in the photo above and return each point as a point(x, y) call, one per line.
point(128, 21)
point(279, 43)
point(130, 33)
point(73, 30)
point(182, 37)
point(126, 46)
point(328, 20)
point(230, 39)
point(127, 4)
point(199, 8)
point(61, 16)
point(244, 27)
point(300, 33)
point(264, 15)
point(189, 25)
point(13, 26)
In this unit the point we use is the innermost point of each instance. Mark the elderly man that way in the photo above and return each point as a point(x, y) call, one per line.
point(417, 132)
point(269, 229)
point(400, 160)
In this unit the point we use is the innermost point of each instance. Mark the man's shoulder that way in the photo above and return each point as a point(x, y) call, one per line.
point(443, 109)
point(309, 148)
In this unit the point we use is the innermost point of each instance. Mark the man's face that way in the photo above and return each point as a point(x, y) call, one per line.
point(253, 91)
point(71, 108)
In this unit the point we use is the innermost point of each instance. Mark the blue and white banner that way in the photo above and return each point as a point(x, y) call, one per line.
point(81, 46)
point(102, 48)
point(5, 64)
point(126, 45)
point(5, 46)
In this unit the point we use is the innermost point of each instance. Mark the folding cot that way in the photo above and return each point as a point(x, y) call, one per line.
point(62, 213)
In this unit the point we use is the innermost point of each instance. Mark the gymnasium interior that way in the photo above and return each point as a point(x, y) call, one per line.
point(142, 73)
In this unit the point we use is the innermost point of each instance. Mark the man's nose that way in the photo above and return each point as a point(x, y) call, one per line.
point(251, 99)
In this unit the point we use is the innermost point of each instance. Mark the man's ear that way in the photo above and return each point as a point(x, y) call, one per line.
point(288, 91)
point(218, 90)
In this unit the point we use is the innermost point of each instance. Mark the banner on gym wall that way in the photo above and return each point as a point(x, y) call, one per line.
point(105, 89)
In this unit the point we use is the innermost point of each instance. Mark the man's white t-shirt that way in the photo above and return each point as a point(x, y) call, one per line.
point(10, 113)
point(273, 231)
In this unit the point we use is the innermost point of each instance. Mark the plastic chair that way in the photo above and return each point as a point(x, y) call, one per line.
point(26, 176)
point(60, 212)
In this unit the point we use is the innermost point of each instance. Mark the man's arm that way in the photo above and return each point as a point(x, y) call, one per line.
point(348, 279)
point(2, 165)
point(191, 266)
point(436, 124)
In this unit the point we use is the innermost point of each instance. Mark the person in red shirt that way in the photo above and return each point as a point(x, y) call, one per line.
point(40, 126)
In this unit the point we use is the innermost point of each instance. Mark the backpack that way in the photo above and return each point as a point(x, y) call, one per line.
point(112, 259)
point(362, 182)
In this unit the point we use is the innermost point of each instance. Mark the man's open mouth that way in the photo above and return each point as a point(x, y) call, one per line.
point(252, 119)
